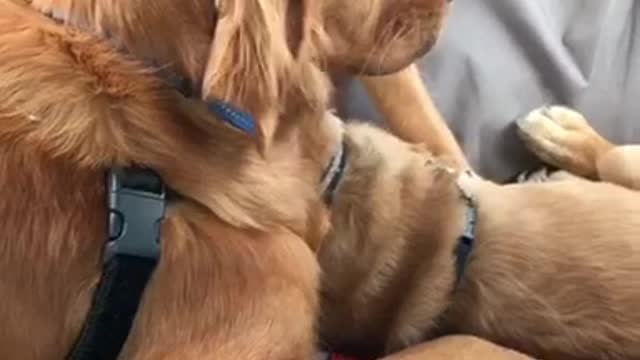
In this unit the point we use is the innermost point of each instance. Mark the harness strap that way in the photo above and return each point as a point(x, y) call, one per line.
point(466, 241)
point(333, 173)
point(114, 307)
point(136, 203)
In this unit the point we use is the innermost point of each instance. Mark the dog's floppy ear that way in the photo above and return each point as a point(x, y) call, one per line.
point(254, 57)
point(377, 37)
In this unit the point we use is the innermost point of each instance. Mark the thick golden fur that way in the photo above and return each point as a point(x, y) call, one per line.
point(554, 272)
point(378, 37)
point(234, 254)
point(395, 33)
point(238, 245)
point(178, 38)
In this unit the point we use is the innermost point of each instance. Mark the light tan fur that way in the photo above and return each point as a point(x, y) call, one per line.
point(239, 242)
point(458, 347)
point(554, 272)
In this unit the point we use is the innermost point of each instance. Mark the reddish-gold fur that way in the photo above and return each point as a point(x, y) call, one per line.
point(395, 33)
point(234, 253)
point(238, 276)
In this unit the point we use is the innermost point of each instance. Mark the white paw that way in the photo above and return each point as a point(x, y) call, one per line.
point(560, 137)
point(549, 123)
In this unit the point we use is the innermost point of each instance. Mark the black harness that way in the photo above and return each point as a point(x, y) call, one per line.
point(136, 203)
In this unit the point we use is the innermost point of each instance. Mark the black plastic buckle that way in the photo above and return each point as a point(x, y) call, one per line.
point(136, 202)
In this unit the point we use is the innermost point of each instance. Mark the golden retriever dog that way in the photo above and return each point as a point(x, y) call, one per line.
point(237, 241)
point(238, 276)
point(379, 50)
point(419, 248)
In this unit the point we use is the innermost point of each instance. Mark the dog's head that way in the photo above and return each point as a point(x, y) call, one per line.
point(268, 58)
point(376, 37)
point(255, 54)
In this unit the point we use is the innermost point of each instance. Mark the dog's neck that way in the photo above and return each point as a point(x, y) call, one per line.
point(389, 223)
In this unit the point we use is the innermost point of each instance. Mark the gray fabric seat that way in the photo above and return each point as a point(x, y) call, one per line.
point(499, 59)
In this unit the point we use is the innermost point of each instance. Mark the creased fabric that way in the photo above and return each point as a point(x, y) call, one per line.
point(499, 59)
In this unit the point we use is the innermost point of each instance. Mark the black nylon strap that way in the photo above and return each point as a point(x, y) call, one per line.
point(136, 202)
point(114, 307)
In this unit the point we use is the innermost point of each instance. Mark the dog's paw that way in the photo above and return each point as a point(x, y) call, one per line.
point(563, 138)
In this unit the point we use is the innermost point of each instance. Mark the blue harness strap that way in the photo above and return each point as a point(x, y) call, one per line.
point(333, 173)
point(466, 241)
point(227, 112)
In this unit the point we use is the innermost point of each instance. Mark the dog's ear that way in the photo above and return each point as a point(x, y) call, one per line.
point(377, 37)
point(254, 57)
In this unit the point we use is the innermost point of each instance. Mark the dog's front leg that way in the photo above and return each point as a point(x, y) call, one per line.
point(410, 113)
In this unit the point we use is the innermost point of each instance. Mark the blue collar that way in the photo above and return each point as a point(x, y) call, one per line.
point(233, 116)
point(467, 240)
point(230, 114)
point(227, 112)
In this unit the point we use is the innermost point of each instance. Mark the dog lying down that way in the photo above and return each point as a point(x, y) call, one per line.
point(234, 254)
point(419, 249)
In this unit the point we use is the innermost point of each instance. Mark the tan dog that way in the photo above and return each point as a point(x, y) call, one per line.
point(238, 242)
point(553, 270)
point(458, 347)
